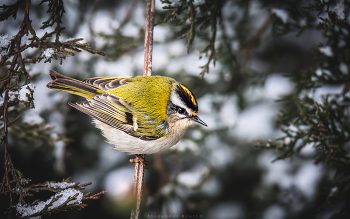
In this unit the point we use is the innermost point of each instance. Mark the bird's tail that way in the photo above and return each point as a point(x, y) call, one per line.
point(64, 83)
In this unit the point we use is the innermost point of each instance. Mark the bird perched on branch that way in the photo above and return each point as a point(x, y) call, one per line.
point(138, 115)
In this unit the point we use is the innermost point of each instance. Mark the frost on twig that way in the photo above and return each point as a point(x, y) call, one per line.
point(67, 196)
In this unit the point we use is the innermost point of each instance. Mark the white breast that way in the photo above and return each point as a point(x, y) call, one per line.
point(131, 145)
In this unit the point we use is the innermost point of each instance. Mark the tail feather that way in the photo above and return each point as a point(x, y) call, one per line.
point(55, 75)
point(64, 83)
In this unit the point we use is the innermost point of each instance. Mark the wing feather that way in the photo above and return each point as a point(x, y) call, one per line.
point(102, 112)
point(113, 111)
point(108, 83)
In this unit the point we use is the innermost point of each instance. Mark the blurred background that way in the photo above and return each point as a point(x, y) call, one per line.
point(215, 171)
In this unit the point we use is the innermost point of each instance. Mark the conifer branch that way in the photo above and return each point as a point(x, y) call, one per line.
point(13, 183)
point(6, 184)
point(209, 15)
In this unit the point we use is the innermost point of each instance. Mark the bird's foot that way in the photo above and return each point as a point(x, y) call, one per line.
point(140, 158)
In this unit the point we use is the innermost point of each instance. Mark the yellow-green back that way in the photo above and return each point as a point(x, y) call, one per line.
point(138, 105)
point(148, 97)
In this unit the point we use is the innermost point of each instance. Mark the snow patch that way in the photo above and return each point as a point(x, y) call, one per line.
point(25, 39)
point(276, 173)
point(212, 187)
point(343, 68)
point(48, 52)
point(25, 210)
point(307, 178)
point(5, 41)
point(192, 178)
point(281, 14)
point(32, 117)
point(25, 90)
point(256, 122)
point(339, 10)
point(308, 150)
point(327, 50)
point(59, 154)
point(119, 183)
point(227, 210)
point(185, 145)
point(59, 185)
point(277, 85)
point(274, 211)
point(8, 2)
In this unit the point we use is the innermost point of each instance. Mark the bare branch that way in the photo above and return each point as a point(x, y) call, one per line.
point(147, 71)
point(147, 67)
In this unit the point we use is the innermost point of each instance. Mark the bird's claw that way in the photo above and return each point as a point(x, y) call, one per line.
point(139, 159)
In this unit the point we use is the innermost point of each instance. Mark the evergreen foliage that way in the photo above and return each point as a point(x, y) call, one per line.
point(324, 125)
point(16, 100)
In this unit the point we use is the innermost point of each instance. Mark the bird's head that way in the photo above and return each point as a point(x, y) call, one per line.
point(182, 107)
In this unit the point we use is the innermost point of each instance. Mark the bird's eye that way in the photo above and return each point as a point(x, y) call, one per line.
point(181, 110)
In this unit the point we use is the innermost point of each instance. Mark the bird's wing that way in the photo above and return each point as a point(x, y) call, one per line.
point(114, 111)
point(108, 83)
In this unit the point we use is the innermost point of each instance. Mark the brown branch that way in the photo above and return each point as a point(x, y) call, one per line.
point(26, 22)
point(147, 71)
point(147, 66)
point(138, 183)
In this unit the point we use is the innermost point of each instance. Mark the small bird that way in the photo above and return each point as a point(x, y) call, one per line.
point(138, 115)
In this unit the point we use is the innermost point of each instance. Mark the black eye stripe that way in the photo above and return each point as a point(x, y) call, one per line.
point(181, 110)
point(176, 108)
point(186, 98)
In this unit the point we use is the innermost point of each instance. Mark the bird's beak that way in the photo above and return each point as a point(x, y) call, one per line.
point(197, 119)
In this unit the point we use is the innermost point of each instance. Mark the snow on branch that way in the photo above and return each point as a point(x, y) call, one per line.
point(67, 196)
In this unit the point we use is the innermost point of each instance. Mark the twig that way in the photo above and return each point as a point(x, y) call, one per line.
point(211, 46)
point(147, 71)
point(138, 183)
point(147, 66)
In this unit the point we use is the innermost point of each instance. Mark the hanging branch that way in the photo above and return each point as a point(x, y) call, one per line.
point(7, 165)
point(147, 71)
point(147, 66)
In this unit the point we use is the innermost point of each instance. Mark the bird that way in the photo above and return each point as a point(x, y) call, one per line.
point(138, 115)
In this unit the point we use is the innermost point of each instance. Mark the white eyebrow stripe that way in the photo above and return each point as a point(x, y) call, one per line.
point(175, 99)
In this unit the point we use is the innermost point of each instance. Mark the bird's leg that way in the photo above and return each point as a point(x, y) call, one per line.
point(140, 158)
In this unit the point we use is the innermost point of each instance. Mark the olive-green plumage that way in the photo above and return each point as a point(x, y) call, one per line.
point(138, 115)
point(127, 108)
